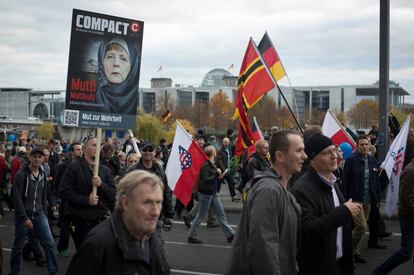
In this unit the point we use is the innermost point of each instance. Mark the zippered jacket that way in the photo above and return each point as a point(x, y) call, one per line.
point(29, 193)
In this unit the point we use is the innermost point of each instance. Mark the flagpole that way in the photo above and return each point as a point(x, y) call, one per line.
point(97, 157)
point(287, 76)
point(277, 85)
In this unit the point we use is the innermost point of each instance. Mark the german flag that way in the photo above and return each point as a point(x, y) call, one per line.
point(271, 58)
point(254, 79)
point(166, 116)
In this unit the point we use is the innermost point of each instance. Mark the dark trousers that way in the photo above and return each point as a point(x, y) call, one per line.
point(6, 197)
point(230, 182)
point(64, 235)
point(406, 251)
point(79, 229)
point(376, 224)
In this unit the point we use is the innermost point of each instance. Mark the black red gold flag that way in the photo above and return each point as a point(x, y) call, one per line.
point(271, 58)
point(166, 116)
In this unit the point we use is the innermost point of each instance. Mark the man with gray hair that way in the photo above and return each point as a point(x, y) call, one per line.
point(127, 243)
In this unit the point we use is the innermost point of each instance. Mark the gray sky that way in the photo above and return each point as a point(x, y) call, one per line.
point(319, 42)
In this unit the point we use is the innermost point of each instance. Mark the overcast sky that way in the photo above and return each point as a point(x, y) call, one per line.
point(319, 42)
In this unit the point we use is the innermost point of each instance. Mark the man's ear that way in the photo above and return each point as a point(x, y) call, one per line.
point(279, 156)
point(124, 202)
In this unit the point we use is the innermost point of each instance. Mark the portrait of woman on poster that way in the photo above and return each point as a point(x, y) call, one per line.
point(117, 77)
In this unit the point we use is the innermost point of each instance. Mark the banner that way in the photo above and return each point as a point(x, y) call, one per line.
point(103, 71)
point(393, 165)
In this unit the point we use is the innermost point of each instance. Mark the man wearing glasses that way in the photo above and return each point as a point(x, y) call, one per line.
point(148, 163)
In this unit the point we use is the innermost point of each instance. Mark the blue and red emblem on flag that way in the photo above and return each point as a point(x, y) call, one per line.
point(185, 158)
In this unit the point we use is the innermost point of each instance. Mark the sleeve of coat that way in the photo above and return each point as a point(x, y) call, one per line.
point(316, 227)
point(18, 186)
point(406, 193)
point(346, 177)
point(263, 244)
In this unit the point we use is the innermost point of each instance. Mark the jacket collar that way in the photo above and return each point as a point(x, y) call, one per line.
point(130, 247)
point(319, 181)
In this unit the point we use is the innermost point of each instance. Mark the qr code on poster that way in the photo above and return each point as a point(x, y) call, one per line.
point(71, 117)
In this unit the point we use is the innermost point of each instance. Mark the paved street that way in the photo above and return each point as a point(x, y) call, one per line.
point(209, 257)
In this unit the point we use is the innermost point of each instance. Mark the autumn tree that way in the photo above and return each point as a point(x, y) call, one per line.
point(265, 112)
point(45, 131)
point(150, 128)
point(221, 111)
point(364, 113)
point(199, 114)
point(187, 125)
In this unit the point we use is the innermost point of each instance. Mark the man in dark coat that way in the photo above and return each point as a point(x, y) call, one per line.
point(326, 239)
point(406, 217)
point(84, 209)
point(127, 243)
point(223, 161)
point(361, 183)
point(258, 162)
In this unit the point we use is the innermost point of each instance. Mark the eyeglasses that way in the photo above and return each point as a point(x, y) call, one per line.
point(150, 149)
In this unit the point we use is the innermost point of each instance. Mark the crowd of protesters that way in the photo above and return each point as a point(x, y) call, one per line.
point(306, 207)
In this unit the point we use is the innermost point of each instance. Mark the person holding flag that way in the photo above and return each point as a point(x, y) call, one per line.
point(208, 182)
point(406, 217)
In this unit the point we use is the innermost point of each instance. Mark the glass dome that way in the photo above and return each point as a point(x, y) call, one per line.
point(215, 78)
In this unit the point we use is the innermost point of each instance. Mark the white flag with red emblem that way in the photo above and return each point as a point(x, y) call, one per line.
point(184, 164)
point(393, 165)
point(334, 130)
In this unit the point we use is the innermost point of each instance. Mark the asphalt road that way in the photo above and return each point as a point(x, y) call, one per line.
point(207, 258)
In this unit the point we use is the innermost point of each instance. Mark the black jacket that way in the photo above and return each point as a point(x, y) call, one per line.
point(320, 221)
point(167, 204)
point(208, 179)
point(353, 178)
point(110, 249)
point(29, 193)
point(76, 186)
point(256, 165)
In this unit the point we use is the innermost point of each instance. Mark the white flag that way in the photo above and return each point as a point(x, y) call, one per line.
point(393, 165)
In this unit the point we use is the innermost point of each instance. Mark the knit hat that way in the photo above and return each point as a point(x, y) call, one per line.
point(315, 144)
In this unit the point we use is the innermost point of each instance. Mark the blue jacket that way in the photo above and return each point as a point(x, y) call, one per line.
point(353, 178)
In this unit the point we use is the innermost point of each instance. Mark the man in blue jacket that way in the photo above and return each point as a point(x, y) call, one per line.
point(361, 183)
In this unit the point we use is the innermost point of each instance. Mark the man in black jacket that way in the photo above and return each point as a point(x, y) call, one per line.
point(258, 162)
point(30, 202)
point(326, 245)
point(63, 244)
point(148, 163)
point(84, 210)
point(127, 243)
